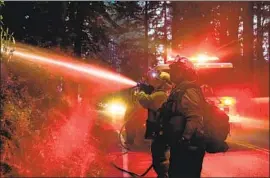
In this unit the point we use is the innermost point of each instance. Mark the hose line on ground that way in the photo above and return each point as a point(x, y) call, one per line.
point(128, 149)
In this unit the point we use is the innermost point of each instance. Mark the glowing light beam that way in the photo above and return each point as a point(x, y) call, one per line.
point(84, 69)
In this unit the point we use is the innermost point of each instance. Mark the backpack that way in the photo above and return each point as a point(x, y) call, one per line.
point(216, 122)
point(216, 128)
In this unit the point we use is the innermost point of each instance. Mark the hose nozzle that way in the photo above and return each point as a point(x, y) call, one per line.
point(148, 89)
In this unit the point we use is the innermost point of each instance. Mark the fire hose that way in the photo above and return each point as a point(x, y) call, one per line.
point(147, 89)
point(121, 169)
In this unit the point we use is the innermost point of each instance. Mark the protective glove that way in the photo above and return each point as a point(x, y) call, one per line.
point(148, 89)
point(139, 93)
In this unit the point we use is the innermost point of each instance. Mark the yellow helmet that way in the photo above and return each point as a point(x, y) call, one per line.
point(164, 76)
point(157, 78)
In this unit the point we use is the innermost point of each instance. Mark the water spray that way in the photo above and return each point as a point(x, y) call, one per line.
point(75, 66)
point(71, 135)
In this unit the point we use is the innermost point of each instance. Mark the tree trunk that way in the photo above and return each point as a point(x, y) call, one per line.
point(175, 26)
point(78, 29)
point(224, 6)
point(181, 26)
point(248, 34)
point(259, 41)
point(146, 27)
point(63, 35)
point(233, 19)
point(248, 39)
point(268, 26)
point(165, 32)
point(79, 19)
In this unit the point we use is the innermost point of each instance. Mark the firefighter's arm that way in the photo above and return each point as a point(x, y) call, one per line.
point(152, 101)
point(191, 107)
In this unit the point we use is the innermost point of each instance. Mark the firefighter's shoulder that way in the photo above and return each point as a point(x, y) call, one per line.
point(191, 97)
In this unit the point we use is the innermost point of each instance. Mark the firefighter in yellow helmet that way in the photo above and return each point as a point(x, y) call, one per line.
point(152, 102)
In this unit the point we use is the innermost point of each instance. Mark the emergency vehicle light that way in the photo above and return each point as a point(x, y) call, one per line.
point(214, 65)
point(228, 101)
point(201, 58)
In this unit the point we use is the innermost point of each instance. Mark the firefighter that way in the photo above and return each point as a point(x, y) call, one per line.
point(135, 118)
point(159, 148)
point(183, 132)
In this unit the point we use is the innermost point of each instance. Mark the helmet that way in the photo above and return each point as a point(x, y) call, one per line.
point(184, 65)
point(159, 75)
point(158, 78)
point(164, 76)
